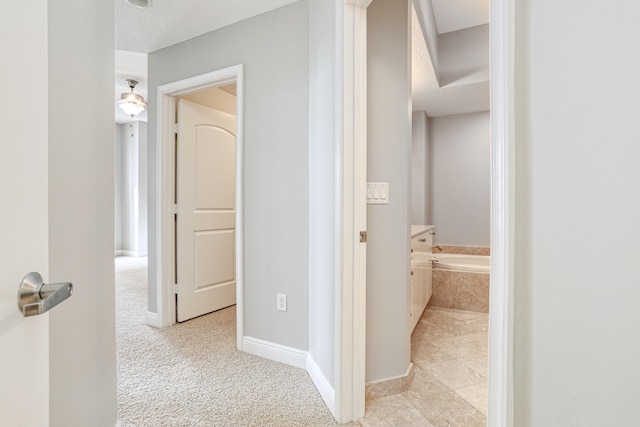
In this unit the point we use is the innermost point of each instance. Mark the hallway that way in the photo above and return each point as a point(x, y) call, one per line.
point(191, 374)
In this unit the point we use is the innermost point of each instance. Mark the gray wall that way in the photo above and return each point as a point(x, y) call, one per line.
point(322, 185)
point(389, 160)
point(274, 50)
point(464, 56)
point(82, 379)
point(419, 167)
point(459, 174)
point(577, 340)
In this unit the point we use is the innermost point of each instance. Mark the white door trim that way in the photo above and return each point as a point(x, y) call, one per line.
point(351, 114)
point(351, 290)
point(501, 310)
point(165, 270)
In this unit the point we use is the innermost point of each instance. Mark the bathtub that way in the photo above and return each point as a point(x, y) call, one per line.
point(456, 262)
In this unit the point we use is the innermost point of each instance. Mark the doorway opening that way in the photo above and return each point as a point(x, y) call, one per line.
point(500, 372)
point(193, 91)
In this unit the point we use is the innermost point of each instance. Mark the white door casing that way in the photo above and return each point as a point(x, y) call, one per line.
point(350, 287)
point(24, 342)
point(501, 304)
point(165, 223)
point(205, 182)
point(351, 255)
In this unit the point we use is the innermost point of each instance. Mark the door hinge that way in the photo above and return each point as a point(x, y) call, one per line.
point(174, 209)
point(363, 237)
point(176, 128)
point(175, 288)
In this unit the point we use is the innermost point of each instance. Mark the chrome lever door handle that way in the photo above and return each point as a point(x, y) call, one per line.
point(36, 297)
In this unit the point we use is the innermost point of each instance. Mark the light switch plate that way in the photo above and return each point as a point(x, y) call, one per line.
point(377, 193)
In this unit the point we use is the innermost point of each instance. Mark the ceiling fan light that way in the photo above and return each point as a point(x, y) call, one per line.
point(132, 103)
point(131, 107)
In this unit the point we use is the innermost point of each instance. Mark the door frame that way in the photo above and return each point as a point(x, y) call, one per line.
point(351, 289)
point(501, 304)
point(165, 189)
point(351, 209)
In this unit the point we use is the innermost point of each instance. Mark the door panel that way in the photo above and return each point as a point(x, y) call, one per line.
point(215, 149)
point(214, 264)
point(205, 182)
point(56, 175)
point(24, 342)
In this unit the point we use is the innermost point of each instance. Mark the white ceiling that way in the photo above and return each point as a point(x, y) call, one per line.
point(167, 22)
point(450, 15)
point(453, 15)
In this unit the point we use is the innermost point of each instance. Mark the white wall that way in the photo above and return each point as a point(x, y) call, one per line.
point(81, 206)
point(389, 160)
point(117, 189)
point(322, 185)
point(143, 189)
point(459, 171)
point(419, 167)
point(577, 340)
point(126, 165)
point(464, 56)
point(274, 50)
point(131, 194)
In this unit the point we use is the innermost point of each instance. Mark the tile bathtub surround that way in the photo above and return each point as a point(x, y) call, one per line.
point(449, 352)
point(464, 250)
point(460, 290)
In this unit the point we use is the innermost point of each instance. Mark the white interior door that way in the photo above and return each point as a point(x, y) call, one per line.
point(24, 341)
point(205, 183)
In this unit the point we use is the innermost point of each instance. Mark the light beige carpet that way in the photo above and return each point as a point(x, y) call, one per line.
point(191, 374)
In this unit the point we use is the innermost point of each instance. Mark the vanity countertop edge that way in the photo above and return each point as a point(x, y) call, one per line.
point(419, 229)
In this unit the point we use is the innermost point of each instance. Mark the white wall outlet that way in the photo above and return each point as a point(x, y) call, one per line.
point(281, 304)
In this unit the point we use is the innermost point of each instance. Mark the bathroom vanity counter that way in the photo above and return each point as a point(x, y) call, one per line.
point(419, 229)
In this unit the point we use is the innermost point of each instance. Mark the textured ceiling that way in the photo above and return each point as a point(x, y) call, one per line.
point(165, 23)
point(449, 100)
point(168, 22)
point(427, 95)
point(422, 71)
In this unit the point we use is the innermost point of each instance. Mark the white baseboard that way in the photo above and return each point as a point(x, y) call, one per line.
point(136, 254)
point(320, 381)
point(389, 386)
point(279, 353)
point(152, 319)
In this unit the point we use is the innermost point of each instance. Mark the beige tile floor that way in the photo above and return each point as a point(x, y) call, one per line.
point(449, 350)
